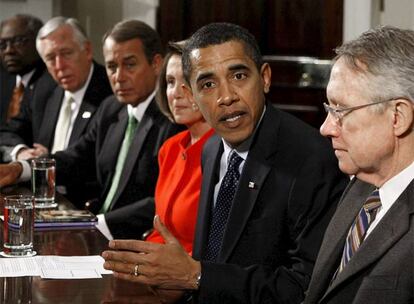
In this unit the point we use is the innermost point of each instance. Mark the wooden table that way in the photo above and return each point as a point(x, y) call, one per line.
point(66, 243)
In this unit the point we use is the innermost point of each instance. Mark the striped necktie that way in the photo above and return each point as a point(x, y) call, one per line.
point(123, 152)
point(359, 228)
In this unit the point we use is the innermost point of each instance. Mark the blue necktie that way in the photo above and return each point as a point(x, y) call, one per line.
point(222, 208)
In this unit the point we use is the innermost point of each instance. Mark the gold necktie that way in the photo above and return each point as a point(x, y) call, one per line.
point(15, 101)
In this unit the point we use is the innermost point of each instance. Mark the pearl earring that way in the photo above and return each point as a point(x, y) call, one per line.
point(194, 107)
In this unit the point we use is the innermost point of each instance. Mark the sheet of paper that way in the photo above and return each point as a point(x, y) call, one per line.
point(54, 267)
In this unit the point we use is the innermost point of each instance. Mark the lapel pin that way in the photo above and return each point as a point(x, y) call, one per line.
point(252, 185)
point(86, 114)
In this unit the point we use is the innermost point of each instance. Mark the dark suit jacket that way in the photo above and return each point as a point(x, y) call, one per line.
point(98, 150)
point(382, 270)
point(275, 228)
point(37, 119)
point(8, 82)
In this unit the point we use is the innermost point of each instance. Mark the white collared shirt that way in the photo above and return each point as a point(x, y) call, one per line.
point(25, 79)
point(390, 191)
point(76, 104)
point(139, 110)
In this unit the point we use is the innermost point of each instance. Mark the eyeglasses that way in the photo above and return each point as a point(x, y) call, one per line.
point(16, 41)
point(339, 113)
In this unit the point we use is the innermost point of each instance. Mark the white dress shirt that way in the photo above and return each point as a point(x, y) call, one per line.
point(390, 191)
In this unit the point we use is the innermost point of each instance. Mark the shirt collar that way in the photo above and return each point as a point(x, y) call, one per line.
point(79, 94)
point(392, 189)
point(25, 79)
point(139, 110)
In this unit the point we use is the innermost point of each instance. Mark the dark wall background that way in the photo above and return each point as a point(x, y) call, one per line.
point(296, 36)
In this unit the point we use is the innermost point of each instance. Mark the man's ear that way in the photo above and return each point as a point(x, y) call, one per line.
point(266, 74)
point(88, 48)
point(403, 116)
point(156, 64)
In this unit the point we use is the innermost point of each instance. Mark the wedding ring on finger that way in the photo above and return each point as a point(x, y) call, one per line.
point(136, 272)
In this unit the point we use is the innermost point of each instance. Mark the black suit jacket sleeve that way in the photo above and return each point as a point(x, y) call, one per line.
point(131, 221)
point(272, 259)
point(22, 129)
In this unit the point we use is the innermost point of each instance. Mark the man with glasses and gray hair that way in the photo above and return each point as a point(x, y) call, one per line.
point(368, 249)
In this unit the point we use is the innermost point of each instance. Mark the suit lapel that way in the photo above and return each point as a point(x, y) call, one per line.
point(140, 136)
point(7, 83)
point(388, 231)
point(95, 93)
point(211, 165)
point(111, 147)
point(50, 117)
point(85, 113)
point(332, 246)
point(255, 171)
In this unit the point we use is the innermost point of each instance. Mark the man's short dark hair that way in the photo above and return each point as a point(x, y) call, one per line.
point(219, 33)
point(31, 23)
point(135, 29)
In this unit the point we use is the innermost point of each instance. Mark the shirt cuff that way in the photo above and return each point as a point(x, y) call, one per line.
point(103, 227)
point(16, 149)
point(27, 171)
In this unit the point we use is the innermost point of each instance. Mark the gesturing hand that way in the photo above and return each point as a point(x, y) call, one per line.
point(166, 266)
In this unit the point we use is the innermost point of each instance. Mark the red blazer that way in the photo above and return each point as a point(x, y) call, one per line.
point(178, 187)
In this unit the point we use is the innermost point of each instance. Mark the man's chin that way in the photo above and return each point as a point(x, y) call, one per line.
point(346, 168)
point(125, 100)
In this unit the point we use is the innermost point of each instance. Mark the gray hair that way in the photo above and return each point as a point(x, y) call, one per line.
point(385, 56)
point(57, 22)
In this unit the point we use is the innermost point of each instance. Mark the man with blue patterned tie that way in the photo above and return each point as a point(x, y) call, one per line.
point(270, 185)
point(368, 250)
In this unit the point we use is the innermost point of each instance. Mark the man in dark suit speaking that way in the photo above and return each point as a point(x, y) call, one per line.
point(367, 253)
point(270, 185)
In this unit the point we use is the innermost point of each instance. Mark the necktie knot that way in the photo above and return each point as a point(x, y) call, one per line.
point(235, 161)
point(132, 121)
point(373, 202)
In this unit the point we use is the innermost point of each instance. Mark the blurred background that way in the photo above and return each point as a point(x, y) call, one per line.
point(297, 37)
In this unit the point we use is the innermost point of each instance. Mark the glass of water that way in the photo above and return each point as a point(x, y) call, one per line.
point(43, 182)
point(18, 226)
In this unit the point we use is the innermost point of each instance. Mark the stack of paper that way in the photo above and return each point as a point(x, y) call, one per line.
point(54, 267)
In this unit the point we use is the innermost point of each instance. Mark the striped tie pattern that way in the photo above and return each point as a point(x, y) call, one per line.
point(359, 228)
